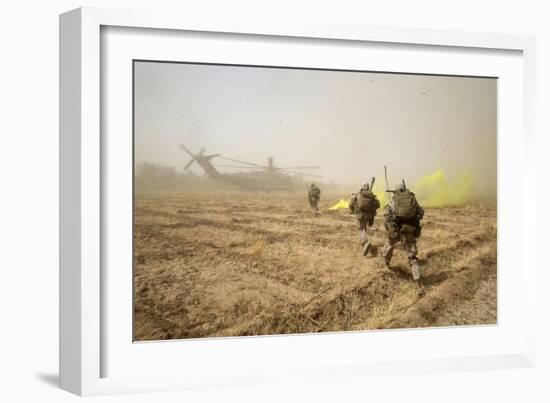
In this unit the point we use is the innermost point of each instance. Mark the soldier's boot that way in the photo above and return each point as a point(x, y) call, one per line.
point(366, 247)
point(365, 244)
point(386, 255)
point(420, 290)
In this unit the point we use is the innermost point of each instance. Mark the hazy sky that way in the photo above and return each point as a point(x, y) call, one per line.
point(350, 124)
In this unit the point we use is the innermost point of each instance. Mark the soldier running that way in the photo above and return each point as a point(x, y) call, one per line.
point(364, 205)
point(314, 195)
point(402, 222)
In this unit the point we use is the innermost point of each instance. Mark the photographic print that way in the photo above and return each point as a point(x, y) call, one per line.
point(274, 200)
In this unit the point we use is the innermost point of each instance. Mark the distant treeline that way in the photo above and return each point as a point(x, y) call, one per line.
point(150, 177)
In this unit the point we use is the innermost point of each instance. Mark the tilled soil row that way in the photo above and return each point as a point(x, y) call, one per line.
point(261, 266)
point(351, 308)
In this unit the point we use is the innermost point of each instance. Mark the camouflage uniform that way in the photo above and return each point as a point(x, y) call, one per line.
point(314, 195)
point(364, 218)
point(404, 231)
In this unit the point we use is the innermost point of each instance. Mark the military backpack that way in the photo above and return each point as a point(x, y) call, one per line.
point(367, 201)
point(314, 192)
point(405, 204)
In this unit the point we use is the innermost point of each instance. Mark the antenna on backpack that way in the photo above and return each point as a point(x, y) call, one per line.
point(403, 181)
point(386, 178)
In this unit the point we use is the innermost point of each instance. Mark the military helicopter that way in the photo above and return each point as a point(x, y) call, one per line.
point(258, 178)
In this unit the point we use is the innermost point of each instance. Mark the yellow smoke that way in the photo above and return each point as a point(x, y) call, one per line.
point(433, 190)
point(381, 194)
point(340, 205)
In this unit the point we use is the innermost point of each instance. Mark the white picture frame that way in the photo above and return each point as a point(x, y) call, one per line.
point(85, 344)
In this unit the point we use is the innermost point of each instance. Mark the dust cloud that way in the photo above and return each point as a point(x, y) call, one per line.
point(437, 133)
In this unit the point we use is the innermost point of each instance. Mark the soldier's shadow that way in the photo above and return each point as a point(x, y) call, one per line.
point(431, 279)
point(401, 272)
point(434, 278)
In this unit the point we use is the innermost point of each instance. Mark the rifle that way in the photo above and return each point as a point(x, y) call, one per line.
point(386, 177)
point(352, 210)
point(372, 183)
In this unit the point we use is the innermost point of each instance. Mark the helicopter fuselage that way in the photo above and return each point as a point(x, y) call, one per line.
point(268, 178)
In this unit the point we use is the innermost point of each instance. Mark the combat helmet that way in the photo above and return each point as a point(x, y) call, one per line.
point(400, 188)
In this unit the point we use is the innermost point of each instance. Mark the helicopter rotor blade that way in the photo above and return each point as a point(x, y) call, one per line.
point(186, 167)
point(243, 162)
point(236, 166)
point(187, 150)
point(296, 167)
point(209, 157)
point(300, 173)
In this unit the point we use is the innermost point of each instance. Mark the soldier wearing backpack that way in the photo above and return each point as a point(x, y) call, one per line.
point(364, 205)
point(314, 195)
point(402, 222)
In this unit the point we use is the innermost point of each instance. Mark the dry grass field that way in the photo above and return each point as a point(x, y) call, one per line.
point(235, 264)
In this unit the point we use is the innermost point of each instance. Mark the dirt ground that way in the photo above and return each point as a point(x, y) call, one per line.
point(236, 263)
